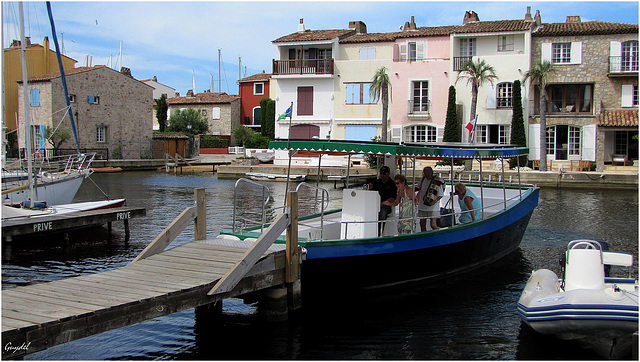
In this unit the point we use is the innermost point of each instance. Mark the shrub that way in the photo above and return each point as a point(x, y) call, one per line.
point(213, 142)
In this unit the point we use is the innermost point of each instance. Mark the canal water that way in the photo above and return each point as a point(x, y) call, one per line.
point(472, 317)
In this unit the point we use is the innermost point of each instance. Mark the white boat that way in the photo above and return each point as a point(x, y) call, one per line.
point(585, 304)
point(260, 176)
point(56, 180)
point(14, 213)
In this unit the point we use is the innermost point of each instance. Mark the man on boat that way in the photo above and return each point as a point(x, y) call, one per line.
point(388, 191)
point(429, 198)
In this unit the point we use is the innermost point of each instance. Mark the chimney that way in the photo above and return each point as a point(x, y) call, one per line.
point(358, 26)
point(126, 71)
point(177, 94)
point(190, 93)
point(537, 18)
point(27, 39)
point(410, 25)
point(527, 16)
point(155, 79)
point(470, 17)
point(301, 28)
point(45, 54)
point(573, 19)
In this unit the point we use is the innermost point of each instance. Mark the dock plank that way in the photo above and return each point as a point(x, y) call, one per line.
point(54, 300)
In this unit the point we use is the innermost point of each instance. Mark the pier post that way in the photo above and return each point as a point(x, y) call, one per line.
point(200, 224)
point(292, 268)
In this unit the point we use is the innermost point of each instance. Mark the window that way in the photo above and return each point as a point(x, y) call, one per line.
point(359, 93)
point(411, 47)
point(493, 133)
point(505, 95)
point(38, 140)
point(419, 96)
point(570, 98)
point(215, 113)
point(551, 140)
point(72, 98)
point(93, 99)
point(635, 95)
point(505, 43)
point(561, 53)
point(367, 53)
point(467, 47)
point(256, 116)
point(411, 51)
point(420, 134)
point(630, 56)
point(34, 97)
point(258, 88)
point(101, 133)
point(203, 112)
point(574, 141)
point(305, 101)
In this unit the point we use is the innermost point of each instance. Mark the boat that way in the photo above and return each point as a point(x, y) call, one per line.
point(16, 213)
point(264, 157)
point(261, 176)
point(343, 245)
point(55, 180)
point(585, 304)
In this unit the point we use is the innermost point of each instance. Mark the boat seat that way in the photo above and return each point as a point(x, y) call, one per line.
point(617, 258)
point(584, 267)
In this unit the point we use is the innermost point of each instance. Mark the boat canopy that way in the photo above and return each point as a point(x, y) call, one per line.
point(441, 150)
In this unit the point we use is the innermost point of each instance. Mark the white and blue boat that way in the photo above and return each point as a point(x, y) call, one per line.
point(343, 246)
point(597, 311)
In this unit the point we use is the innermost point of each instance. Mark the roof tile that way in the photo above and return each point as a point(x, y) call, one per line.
point(256, 78)
point(585, 28)
point(315, 35)
point(206, 97)
point(618, 118)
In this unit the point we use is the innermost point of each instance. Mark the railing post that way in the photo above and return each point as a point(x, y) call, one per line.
point(292, 258)
point(200, 224)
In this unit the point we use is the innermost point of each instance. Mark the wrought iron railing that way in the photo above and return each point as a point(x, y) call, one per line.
point(303, 66)
point(459, 62)
point(421, 108)
point(623, 64)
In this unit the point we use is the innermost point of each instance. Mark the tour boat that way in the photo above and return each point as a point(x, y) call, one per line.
point(343, 246)
point(585, 305)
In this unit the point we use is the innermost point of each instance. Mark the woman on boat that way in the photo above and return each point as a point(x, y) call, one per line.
point(467, 201)
point(405, 200)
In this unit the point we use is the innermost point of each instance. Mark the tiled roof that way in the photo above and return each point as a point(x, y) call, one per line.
point(315, 35)
point(370, 38)
point(494, 26)
point(206, 97)
point(620, 118)
point(585, 28)
point(67, 72)
point(256, 78)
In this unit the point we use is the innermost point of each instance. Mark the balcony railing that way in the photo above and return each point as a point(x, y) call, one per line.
point(418, 109)
point(458, 62)
point(303, 66)
point(620, 64)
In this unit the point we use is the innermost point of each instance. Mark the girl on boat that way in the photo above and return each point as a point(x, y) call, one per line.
point(467, 201)
point(405, 200)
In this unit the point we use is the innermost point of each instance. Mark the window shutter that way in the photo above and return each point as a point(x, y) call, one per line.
point(90, 99)
point(546, 52)
point(403, 52)
point(576, 52)
point(215, 113)
point(615, 48)
point(627, 95)
point(396, 134)
point(351, 93)
point(534, 142)
point(491, 96)
point(420, 50)
point(439, 134)
point(589, 142)
point(35, 97)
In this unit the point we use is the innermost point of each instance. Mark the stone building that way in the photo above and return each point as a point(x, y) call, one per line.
point(158, 90)
point(592, 94)
point(110, 108)
point(221, 110)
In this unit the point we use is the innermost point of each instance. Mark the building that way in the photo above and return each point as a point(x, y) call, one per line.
point(251, 90)
point(221, 110)
point(110, 108)
point(592, 111)
point(158, 90)
point(40, 60)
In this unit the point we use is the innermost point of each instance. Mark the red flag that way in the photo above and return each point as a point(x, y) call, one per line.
point(469, 126)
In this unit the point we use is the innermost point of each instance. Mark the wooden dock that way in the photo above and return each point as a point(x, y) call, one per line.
point(158, 282)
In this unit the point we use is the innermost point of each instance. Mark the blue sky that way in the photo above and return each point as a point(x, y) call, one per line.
point(174, 40)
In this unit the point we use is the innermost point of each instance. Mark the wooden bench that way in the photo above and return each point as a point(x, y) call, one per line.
point(536, 164)
point(616, 158)
point(582, 165)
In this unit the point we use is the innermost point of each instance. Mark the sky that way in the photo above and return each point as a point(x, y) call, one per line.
point(181, 41)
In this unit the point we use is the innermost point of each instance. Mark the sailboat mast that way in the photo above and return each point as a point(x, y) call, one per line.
point(25, 95)
point(219, 75)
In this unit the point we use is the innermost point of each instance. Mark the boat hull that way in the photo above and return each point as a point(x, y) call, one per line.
point(56, 192)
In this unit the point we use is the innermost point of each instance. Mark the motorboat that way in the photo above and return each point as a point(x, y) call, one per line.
point(262, 176)
point(13, 213)
point(344, 246)
point(585, 304)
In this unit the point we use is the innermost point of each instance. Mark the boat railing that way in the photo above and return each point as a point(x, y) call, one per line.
point(324, 204)
point(242, 217)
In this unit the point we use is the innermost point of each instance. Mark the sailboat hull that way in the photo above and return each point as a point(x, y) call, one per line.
point(55, 191)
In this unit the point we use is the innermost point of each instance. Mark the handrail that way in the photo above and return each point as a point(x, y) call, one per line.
point(323, 204)
point(266, 197)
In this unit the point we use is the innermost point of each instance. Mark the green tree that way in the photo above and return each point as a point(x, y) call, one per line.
point(268, 117)
point(380, 85)
point(161, 111)
point(56, 138)
point(451, 126)
point(539, 74)
point(243, 135)
point(189, 122)
point(518, 134)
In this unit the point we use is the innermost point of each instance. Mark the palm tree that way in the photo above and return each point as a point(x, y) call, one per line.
point(476, 73)
point(539, 74)
point(380, 90)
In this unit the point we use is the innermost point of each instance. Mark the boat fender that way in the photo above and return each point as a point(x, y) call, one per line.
point(542, 281)
point(36, 204)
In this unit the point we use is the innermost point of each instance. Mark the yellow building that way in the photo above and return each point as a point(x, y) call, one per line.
point(40, 60)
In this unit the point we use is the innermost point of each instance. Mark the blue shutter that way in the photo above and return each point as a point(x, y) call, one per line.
point(353, 96)
point(90, 99)
point(35, 97)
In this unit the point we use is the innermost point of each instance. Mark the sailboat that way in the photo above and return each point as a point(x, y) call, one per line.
point(51, 189)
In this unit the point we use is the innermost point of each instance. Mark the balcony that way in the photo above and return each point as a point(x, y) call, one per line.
point(623, 65)
point(303, 67)
point(419, 110)
point(458, 62)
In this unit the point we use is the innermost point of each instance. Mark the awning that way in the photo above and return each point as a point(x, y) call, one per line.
point(427, 151)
